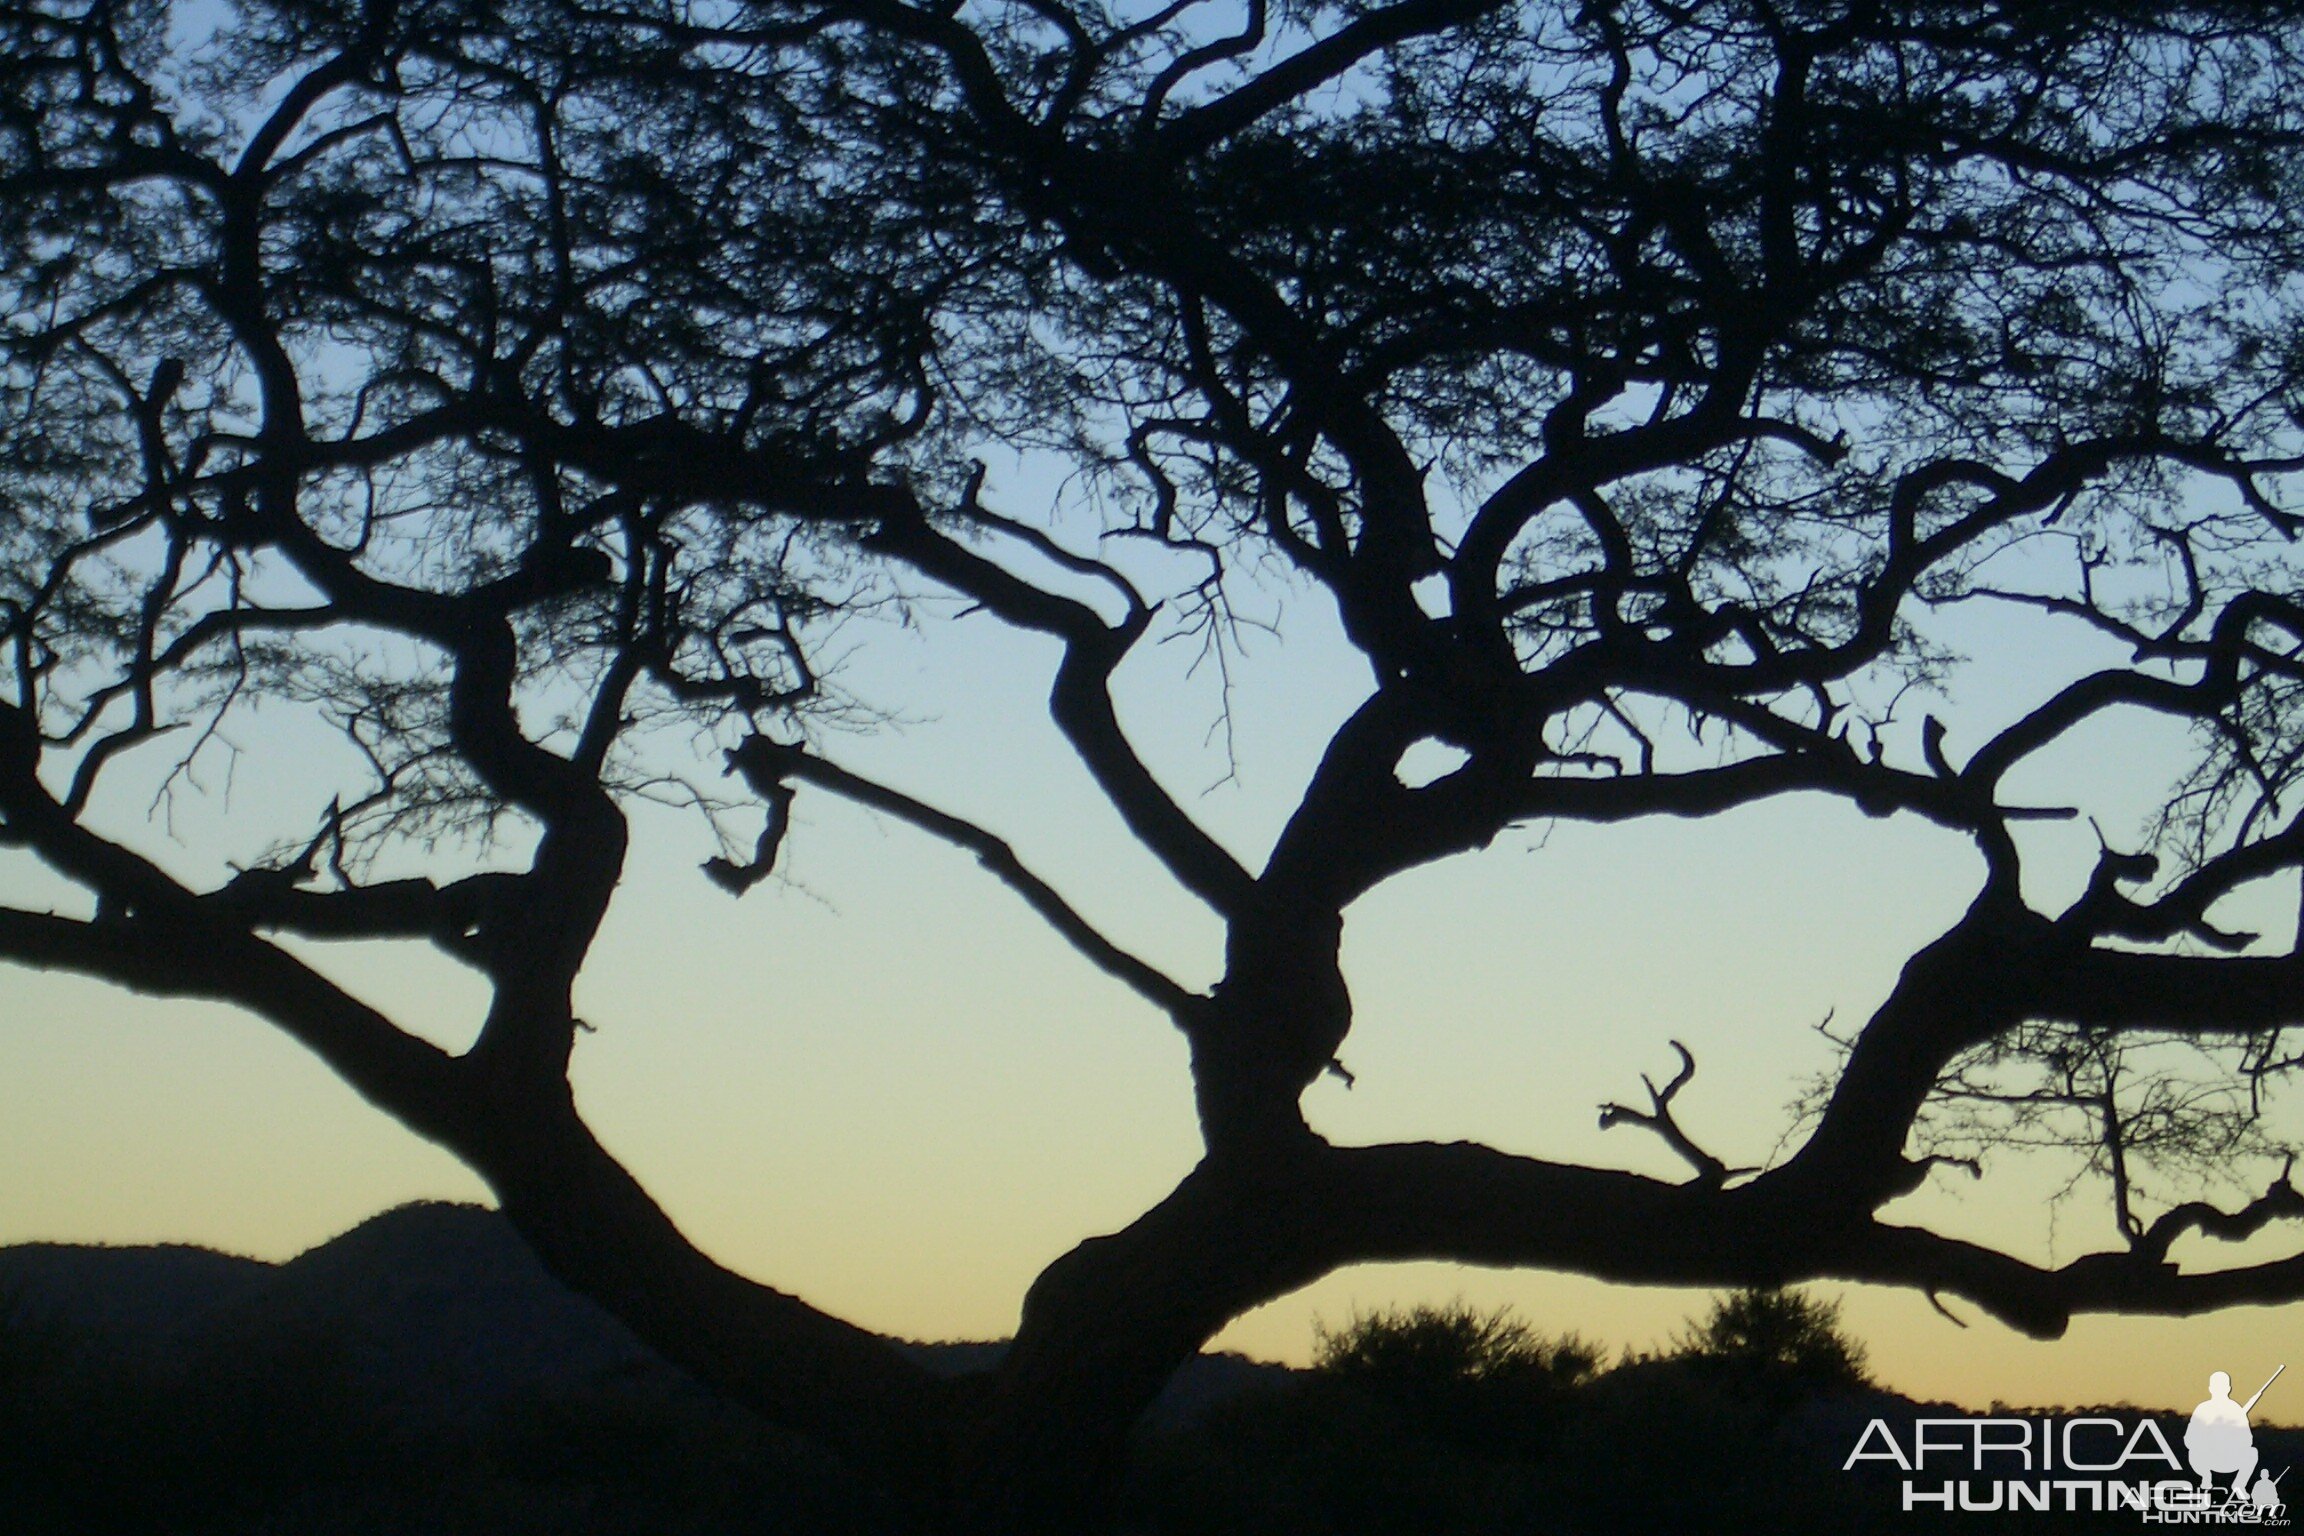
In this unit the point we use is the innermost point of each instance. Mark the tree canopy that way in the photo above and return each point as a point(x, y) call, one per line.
point(529, 389)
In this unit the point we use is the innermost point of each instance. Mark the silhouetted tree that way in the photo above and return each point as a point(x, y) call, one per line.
point(1640, 383)
point(1486, 1379)
point(1455, 1342)
point(1780, 1333)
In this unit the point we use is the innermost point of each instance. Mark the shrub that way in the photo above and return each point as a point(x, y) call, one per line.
point(1485, 1381)
point(1779, 1333)
point(1455, 1343)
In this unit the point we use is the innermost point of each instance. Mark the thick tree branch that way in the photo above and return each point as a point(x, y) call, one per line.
point(408, 1078)
point(598, 1230)
point(2280, 1202)
point(1473, 1204)
point(462, 918)
point(1110, 1319)
point(2002, 965)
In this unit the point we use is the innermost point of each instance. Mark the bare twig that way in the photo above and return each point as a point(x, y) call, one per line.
point(1710, 1170)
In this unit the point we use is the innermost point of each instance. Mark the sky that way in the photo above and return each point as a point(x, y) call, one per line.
point(881, 1082)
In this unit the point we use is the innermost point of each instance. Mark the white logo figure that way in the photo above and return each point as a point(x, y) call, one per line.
point(2266, 1496)
point(2219, 1440)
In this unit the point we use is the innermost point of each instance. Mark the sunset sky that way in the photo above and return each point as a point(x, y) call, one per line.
point(881, 1082)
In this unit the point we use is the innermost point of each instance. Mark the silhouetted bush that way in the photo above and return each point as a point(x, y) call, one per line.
point(1486, 1381)
point(1455, 1344)
point(1450, 1421)
point(1784, 1333)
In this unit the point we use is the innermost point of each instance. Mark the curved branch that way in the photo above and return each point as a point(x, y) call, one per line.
point(2279, 1202)
point(1081, 701)
point(767, 766)
point(1106, 1323)
point(2001, 965)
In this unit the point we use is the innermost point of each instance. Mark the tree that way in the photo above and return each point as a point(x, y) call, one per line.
point(1485, 1379)
point(1642, 386)
point(1452, 1343)
point(1783, 1334)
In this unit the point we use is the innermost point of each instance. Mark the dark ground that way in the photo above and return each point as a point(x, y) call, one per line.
point(421, 1374)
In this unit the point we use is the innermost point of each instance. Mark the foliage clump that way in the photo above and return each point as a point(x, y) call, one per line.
point(1454, 1342)
point(1487, 1381)
point(1777, 1332)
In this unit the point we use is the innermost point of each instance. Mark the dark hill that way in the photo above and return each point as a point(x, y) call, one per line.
point(142, 1296)
point(420, 1373)
point(434, 1313)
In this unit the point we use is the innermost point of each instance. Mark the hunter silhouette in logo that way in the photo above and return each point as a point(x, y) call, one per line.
point(2266, 1497)
point(2219, 1440)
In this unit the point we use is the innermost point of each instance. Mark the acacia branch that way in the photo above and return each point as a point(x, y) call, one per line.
point(153, 935)
point(2000, 966)
point(1466, 809)
point(2103, 910)
point(768, 765)
point(1478, 1205)
point(408, 1078)
point(1710, 1171)
point(459, 917)
point(1237, 1233)
point(1080, 702)
point(1312, 67)
point(2281, 1201)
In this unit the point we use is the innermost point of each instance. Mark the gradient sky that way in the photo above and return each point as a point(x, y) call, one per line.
point(881, 1082)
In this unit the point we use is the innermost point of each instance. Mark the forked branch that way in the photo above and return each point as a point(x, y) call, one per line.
point(1710, 1171)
